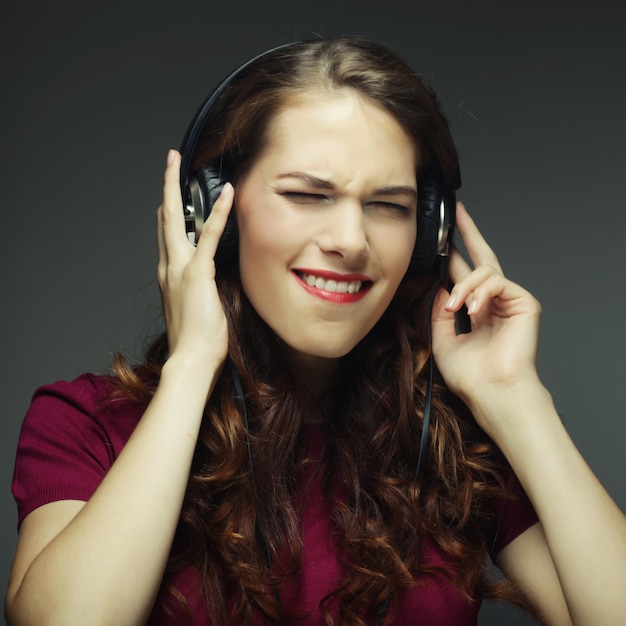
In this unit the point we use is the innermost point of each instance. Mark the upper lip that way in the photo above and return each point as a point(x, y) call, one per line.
point(328, 275)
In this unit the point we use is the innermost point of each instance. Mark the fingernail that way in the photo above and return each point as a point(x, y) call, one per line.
point(472, 307)
point(171, 155)
point(452, 300)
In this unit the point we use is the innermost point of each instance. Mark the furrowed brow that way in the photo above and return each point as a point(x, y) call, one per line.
point(320, 183)
point(397, 190)
point(312, 181)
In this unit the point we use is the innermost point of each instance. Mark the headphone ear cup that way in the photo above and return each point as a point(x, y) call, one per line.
point(429, 198)
point(211, 181)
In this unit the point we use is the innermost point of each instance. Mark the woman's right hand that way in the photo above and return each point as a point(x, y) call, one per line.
point(76, 562)
point(196, 324)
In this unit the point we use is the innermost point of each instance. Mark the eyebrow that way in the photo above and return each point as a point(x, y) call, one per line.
point(320, 183)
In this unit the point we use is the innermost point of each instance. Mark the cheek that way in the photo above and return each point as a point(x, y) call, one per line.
point(260, 233)
point(269, 233)
point(398, 249)
point(252, 231)
point(254, 252)
point(262, 249)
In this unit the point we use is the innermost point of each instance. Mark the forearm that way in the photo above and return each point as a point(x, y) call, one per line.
point(106, 566)
point(585, 530)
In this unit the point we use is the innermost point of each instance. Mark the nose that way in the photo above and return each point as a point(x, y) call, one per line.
point(344, 231)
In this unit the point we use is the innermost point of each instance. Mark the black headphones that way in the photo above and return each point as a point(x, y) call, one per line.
point(200, 190)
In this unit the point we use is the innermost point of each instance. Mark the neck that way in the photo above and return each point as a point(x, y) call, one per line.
point(316, 376)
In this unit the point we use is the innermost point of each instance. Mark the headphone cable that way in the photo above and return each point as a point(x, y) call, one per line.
point(259, 517)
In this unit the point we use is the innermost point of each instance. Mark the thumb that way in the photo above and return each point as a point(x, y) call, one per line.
point(445, 324)
point(442, 312)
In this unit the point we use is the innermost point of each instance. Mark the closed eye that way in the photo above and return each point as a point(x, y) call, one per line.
point(302, 197)
point(392, 206)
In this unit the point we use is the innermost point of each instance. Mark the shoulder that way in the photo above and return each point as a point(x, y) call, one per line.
point(83, 392)
point(88, 402)
point(72, 433)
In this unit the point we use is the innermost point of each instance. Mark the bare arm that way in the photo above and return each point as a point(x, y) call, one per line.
point(101, 562)
point(527, 561)
point(583, 532)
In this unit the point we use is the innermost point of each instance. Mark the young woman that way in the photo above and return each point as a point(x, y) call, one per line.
point(167, 494)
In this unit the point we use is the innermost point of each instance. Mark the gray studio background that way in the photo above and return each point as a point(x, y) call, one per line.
point(93, 95)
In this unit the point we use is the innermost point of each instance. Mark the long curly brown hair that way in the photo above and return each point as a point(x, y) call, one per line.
point(383, 510)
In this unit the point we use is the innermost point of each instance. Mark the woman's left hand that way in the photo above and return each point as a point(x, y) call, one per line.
point(493, 370)
point(498, 356)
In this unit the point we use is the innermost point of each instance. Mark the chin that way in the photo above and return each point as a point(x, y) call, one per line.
point(329, 349)
point(331, 353)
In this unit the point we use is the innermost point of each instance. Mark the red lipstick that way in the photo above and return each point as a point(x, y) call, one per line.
point(341, 296)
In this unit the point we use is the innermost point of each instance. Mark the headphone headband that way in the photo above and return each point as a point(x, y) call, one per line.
point(190, 141)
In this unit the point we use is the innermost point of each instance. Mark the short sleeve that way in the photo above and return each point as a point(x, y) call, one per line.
point(516, 514)
point(68, 441)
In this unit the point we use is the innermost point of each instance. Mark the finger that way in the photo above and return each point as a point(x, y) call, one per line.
point(458, 267)
point(172, 217)
point(503, 298)
point(215, 224)
point(162, 250)
point(487, 288)
point(444, 323)
point(492, 287)
point(478, 249)
point(440, 312)
point(464, 290)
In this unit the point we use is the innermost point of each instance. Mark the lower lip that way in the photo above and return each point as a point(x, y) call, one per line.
point(333, 296)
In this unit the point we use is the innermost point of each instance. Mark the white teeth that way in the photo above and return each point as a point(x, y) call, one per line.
point(353, 286)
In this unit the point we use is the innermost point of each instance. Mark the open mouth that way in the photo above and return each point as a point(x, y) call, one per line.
point(333, 286)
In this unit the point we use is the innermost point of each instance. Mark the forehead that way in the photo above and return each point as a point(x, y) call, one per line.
point(339, 130)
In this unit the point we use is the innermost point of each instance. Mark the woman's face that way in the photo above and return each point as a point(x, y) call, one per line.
point(327, 222)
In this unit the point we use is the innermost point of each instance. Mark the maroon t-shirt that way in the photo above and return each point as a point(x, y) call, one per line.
point(69, 441)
